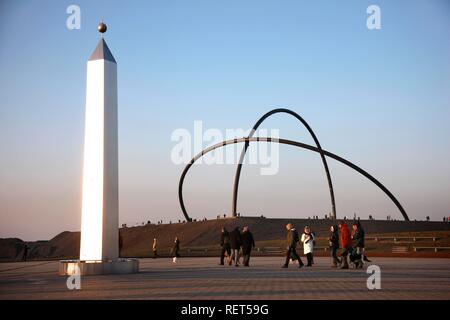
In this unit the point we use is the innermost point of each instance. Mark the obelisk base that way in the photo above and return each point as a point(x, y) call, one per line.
point(84, 268)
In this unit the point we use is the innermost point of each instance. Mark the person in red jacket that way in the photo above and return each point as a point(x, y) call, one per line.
point(346, 243)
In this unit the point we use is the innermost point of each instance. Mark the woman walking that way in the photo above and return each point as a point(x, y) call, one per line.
point(334, 245)
point(308, 245)
point(225, 245)
point(176, 250)
point(346, 243)
point(235, 243)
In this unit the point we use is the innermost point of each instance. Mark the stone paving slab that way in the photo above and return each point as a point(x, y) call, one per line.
point(203, 278)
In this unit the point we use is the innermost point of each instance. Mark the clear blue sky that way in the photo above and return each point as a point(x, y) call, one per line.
point(379, 98)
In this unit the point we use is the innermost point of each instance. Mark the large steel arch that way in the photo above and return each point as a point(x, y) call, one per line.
point(244, 151)
point(288, 142)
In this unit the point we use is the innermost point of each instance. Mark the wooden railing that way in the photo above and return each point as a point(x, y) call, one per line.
point(435, 249)
point(398, 239)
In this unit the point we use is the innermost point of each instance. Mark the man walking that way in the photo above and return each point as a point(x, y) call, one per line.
point(248, 243)
point(358, 244)
point(225, 245)
point(363, 242)
point(176, 250)
point(334, 245)
point(292, 239)
point(235, 243)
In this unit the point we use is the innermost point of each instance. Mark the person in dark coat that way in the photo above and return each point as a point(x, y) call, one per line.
point(314, 243)
point(25, 252)
point(358, 244)
point(248, 243)
point(358, 237)
point(120, 244)
point(176, 250)
point(235, 244)
point(363, 235)
point(346, 243)
point(334, 245)
point(291, 244)
point(239, 250)
point(225, 245)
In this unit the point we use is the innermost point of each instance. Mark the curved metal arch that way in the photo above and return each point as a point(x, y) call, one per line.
point(288, 142)
point(244, 151)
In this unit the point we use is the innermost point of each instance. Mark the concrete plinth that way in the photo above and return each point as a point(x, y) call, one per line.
point(119, 266)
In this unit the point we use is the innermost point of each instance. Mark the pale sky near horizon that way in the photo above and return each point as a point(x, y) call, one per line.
point(379, 98)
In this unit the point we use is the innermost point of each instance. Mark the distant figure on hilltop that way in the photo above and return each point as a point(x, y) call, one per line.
point(235, 243)
point(292, 240)
point(176, 250)
point(248, 243)
point(155, 248)
point(225, 245)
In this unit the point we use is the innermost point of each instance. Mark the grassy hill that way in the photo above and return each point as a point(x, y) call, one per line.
point(198, 236)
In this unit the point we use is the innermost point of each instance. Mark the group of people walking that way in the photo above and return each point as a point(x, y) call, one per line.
point(233, 243)
point(236, 245)
point(175, 250)
point(308, 239)
point(352, 243)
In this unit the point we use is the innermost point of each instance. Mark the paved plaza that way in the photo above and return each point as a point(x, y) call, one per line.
point(203, 278)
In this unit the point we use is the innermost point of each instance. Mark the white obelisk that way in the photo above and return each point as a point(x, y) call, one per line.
point(99, 248)
point(100, 204)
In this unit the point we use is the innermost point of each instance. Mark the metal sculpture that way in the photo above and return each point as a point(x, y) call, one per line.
point(316, 141)
point(317, 149)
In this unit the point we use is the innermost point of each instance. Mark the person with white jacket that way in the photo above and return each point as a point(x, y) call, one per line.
point(308, 245)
